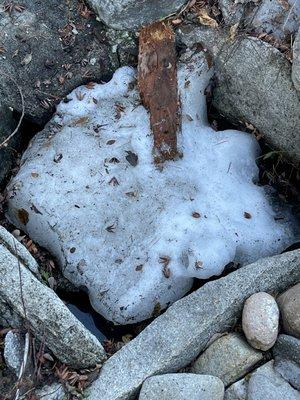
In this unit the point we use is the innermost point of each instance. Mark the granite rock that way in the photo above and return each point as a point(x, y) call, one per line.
point(289, 305)
point(182, 387)
point(296, 62)
point(13, 351)
point(260, 320)
point(176, 337)
point(287, 347)
point(266, 383)
point(48, 318)
point(229, 358)
point(128, 14)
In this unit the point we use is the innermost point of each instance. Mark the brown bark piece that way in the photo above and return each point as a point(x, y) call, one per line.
point(157, 79)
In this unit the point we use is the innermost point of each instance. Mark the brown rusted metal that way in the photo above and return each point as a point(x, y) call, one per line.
point(157, 79)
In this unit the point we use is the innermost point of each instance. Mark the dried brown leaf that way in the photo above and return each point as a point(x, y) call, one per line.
point(205, 19)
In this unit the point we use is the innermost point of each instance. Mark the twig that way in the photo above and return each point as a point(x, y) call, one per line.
point(24, 362)
point(288, 16)
point(4, 143)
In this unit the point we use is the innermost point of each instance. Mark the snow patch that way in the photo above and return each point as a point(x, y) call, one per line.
point(132, 235)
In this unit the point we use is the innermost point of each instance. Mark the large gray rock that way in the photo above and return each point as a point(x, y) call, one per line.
point(289, 305)
point(278, 18)
point(48, 317)
point(229, 358)
point(237, 391)
point(49, 49)
point(175, 338)
point(14, 246)
point(182, 387)
point(8, 153)
point(266, 383)
point(129, 14)
point(260, 320)
point(289, 370)
point(296, 62)
point(287, 347)
point(253, 85)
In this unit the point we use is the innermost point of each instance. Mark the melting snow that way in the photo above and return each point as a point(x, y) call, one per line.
point(131, 235)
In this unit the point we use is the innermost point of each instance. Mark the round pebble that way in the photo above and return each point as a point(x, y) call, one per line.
point(289, 304)
point(260, 320)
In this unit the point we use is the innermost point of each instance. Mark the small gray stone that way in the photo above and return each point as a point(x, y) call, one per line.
point(182, 387)
point(55, 391)
point(14, 351)
point(129, 14)
point(289, 304)
point(296, 62)
point(48, 317)
point(287, 347)
point(290, 371)
point(260, 320)
point(266, 383)
point(175, 338)
point(237, 391)
point(229, 358)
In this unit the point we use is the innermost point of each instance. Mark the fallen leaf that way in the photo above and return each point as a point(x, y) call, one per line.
point(196, 214)
point(90, 85)
point(80, 121)
point(205, 19)
point(232, 32)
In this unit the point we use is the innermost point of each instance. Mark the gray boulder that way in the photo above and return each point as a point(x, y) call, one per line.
point(289, 305)
point(129, 14)
point(50, 48)
point(229, 358)
point(237, 391)
point(296, 62)
point(47, 316)
point(266, 383)
point(287, 347)
point(8, 153)
point(253, 85)
point(182, 387)
point(277, 18)
point(289, 370)
point(13, 351)
point(175, 338)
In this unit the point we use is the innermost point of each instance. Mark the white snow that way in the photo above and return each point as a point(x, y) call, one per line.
point(135, 236)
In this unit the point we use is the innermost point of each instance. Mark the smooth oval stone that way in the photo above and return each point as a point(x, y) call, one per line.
point(289, 305)
point(260, 320)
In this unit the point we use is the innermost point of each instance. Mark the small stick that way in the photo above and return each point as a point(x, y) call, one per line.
point(4, 143)
point(157, 80)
